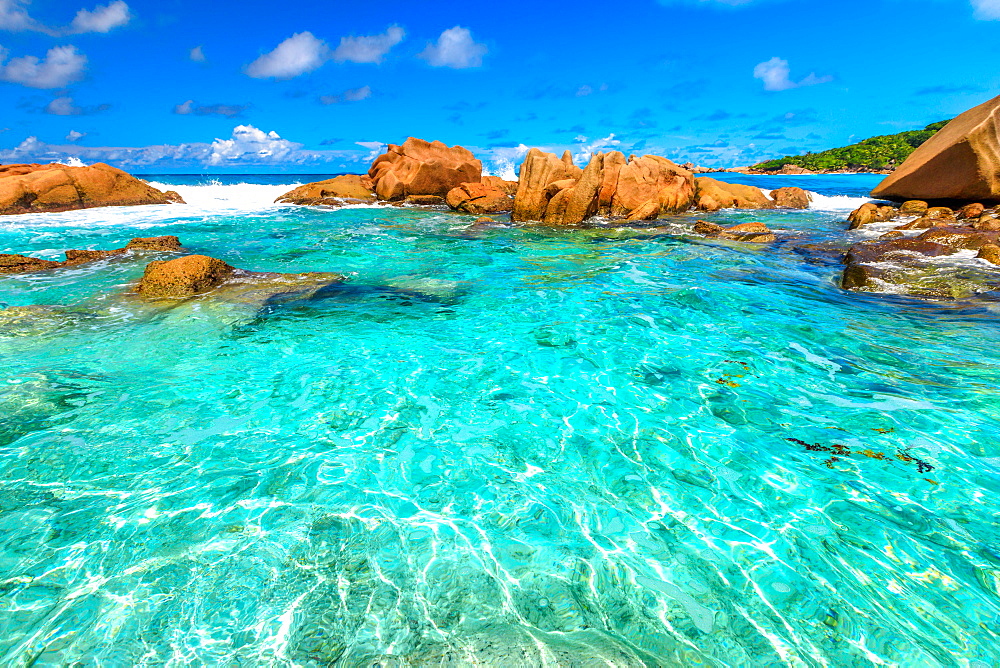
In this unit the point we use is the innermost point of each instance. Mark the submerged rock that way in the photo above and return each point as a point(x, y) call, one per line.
point(191, 275)
point(960, 162)
point(344, 189)
point(990, 253)
point(10, 264)
point(419, 167)
point(34, 188)
point(746, 232)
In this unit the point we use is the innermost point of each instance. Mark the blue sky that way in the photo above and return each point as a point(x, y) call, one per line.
point(318, 87)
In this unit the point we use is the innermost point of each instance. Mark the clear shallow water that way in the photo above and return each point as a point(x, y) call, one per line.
point(512, 446)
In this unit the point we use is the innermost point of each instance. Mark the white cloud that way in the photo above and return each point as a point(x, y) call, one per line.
point(350, 95)
point(987, 10)
point(300, 53)
point(586, 151)
point(368, 48)
point(63, 106)
point(14, 16)
point(197, 55)
point(62, 65)
point(248, 142)
point(455, 48)
point(184, 108)
point(775, 74)
point(101, 18)
point(75, 136)
point(375, 149)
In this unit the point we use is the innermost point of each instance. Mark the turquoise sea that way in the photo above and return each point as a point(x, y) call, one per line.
point(491, 446)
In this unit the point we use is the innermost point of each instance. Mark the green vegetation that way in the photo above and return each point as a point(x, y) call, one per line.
point(877, 153)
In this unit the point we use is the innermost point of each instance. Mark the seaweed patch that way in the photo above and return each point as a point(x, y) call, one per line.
point(839, 452)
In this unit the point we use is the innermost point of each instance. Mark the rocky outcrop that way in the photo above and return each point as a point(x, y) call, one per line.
point(10, 264)
point(757, 233)
point(509, 188)
point(556, 192)
point(791, 198)
point(192, 275)
point(713, 195)
point(419, 167)
point(990, 253)
point(183, 277)
point(39, 188)
point(340, 190)
point(960, 162)
point(479, 198)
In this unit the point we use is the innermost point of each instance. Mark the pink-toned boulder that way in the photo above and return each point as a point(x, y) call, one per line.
point(479, 198)
point(344, 189)
point(539, 171)
point(419, 167)
point(38, 188)
point(713, 195)
point(791, 198)
point(652, 178)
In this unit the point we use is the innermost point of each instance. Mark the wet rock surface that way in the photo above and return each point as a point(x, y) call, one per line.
point(338, 191)
point(12, 264)
point(419, 167)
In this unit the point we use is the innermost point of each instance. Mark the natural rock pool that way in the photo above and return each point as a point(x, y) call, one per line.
point(511, 446)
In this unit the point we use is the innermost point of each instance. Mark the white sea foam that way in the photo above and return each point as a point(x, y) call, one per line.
point(216, 197)
point(836, 202)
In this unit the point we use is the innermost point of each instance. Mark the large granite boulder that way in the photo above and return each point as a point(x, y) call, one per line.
point(479, 198)
point(419, 167)
point(539, 171)
point(791, 198)
point(652, 178)
point(713, 195)
point(508, 187)
point(16, 264)
point(183, 277)
point(344, 189)
point(961, 162)
point(38, 188)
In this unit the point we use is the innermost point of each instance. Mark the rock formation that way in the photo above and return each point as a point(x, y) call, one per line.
point(345, 189)
point(191, 275)
point(37, 188)
point(791, 198)
point(419, 167)
point(479, 198)
point(960, 162)
point(757, 233)
point(556, 192)
point(713, 195)
point(11, 264)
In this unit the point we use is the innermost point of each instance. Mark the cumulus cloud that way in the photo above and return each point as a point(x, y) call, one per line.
point(987, 10)
point(225, 110)
point(101, 18)
point(62, 65)
point(300, 53)
point(350, 95)
point(583, 154)
point(455, 48)
point(368, 48)
point(75, 136)
point(249, 143)
point(197, 55)
point(775, 74)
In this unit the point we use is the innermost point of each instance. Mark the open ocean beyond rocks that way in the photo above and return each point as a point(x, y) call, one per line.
point(511, 446)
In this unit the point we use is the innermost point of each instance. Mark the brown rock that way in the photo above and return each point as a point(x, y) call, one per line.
point(479, 198)
point(892, 234)
point(75, 257)
point(648, 211)
point(538, 171)
point(745, 232)
point(165, 243)
point(652, 177)
point(509, 188)
point(959, 238)
point(791, 198)
point(611, 168)
point(913, 207)
point(990, 253)
point(15, 264)
point(353, 187)
point(424, 200)
point(866, 214)
point(939, 212)
point(960, 162)
point(36, 188)
point(918, 224)
point(970, 211)
point(870, 263)
point(987, 223)
point(183, 277)
point(887, 213)
point(714, 193)
point(419, 167)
